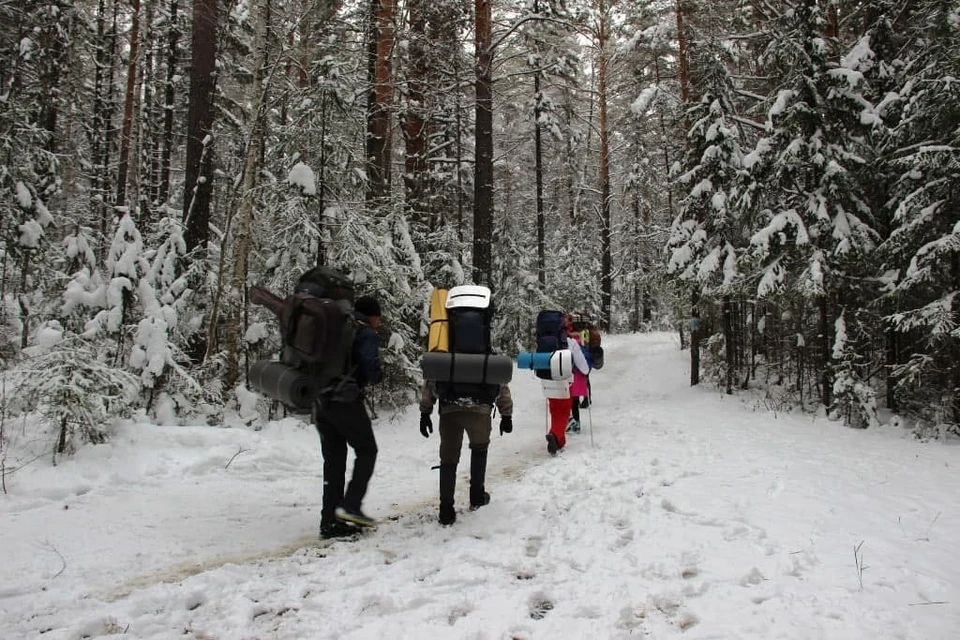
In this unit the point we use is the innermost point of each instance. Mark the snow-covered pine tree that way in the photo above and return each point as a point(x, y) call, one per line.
point(812, 227)
point(707, 237)
point(156, 351)
point(923, 248)
point(76, 391)
point(854, 399)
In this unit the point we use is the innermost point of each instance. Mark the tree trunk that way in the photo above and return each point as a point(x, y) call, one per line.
point(728, 342)
point(198, 180)
point(414, 126)
point(686, 95)
point(101, 133)
point(892, 358)
point(128, 103)
point(695, 339)
point(483, 169)
point(322, 180)
point(606, 230)
point(538, 171)
point(166, 151)
point(379, 101)
point(826, 377)
point(251, 170)
point(683, 45)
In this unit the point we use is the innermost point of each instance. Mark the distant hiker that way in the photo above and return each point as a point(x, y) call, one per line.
point(590, 343)
point(552, 328)
point(459, 349)
point(579, 387)
point(341, 415)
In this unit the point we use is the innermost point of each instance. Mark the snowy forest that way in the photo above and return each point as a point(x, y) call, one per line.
point(776, 180)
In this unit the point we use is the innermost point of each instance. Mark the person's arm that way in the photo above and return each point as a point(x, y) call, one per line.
point(504, 401)
point(368, 356)
point(428, 397)
point(579, 360)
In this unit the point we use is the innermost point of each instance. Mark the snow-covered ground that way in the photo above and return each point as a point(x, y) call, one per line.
point(694, 514)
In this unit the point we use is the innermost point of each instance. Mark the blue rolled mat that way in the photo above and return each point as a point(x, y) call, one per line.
point(534, 360)
point(466, 367)
point(282, 382)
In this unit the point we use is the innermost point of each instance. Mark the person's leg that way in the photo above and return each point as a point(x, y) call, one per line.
point(334, 450)
point(357, 430)
point(478, 429)
point(559, 413)
point(451, 441)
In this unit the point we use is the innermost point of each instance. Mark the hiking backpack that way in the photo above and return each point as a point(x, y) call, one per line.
point(316, 332)
point(469, 316)
point(551, 336)
point(589, 337)
point(317, 326)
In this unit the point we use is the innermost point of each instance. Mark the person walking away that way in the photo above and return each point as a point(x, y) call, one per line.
point(580, 387)
point(459, 415)
point(560, 407)
point(342, 421)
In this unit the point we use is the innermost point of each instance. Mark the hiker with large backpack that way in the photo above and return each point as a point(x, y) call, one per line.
point(462, 374)
point(553, 336)
point(330, 355)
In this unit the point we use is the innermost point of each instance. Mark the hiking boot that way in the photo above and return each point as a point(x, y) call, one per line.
point(447, 515)
point(573, 426)
point(552, 444)
point(484, 500)
point(355, 517)
point(336, 529)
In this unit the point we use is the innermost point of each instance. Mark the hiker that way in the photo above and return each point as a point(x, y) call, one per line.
point(469, 380)
point(342, 420)
point(459, 415)
point(580, 385)
point(561, 404)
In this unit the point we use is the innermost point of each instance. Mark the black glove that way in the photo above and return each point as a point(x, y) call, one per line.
point(506, 425)
point(426, 425)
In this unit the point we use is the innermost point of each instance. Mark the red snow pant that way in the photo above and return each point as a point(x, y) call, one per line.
point(559, 415)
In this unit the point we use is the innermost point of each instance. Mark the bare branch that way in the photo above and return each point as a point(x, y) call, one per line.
point(239, 451)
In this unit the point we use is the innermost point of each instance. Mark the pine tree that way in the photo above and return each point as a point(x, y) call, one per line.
point(924, 244)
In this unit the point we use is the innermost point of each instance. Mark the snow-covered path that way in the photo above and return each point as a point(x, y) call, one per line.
point(695, 514)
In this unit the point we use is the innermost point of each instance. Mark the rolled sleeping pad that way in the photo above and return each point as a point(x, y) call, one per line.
point(533, 360)
point(282, 382)
point(559, 363)
point(555, 388)
point(438, 338)
point(466, 367)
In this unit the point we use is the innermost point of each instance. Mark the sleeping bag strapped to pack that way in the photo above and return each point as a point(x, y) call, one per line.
point(438, 339)
point(478, 376)
point(317, 333)
point(551, 337)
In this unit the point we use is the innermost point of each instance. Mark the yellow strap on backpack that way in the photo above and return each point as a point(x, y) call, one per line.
point(439, 337)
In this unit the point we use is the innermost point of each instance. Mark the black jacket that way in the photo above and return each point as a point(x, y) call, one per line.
point(366, 352)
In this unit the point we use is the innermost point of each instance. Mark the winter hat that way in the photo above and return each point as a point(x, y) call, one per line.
point(368, 306)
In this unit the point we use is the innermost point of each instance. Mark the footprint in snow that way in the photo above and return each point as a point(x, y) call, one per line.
point(540, 605)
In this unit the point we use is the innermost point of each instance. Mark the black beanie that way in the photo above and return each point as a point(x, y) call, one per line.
point(368, 306)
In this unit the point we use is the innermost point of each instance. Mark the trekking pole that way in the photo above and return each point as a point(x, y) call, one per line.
point(590, 418)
